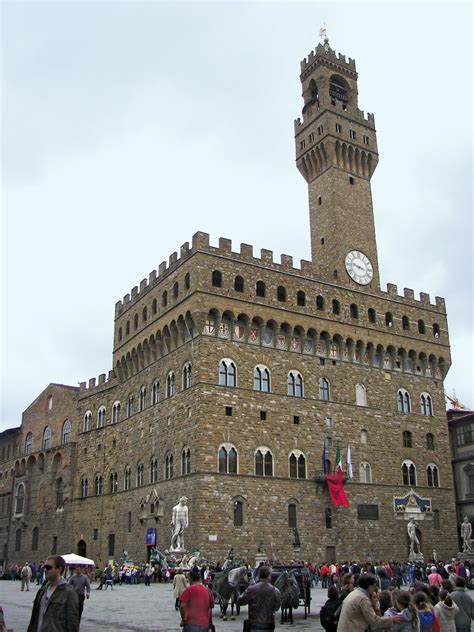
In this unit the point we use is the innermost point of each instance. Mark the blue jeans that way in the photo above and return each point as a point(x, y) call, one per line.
point(189, 627)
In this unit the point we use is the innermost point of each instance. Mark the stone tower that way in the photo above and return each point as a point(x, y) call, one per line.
point(336, 152)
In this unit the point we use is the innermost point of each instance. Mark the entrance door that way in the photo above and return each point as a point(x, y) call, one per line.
point(330, 554)
point(82, 548)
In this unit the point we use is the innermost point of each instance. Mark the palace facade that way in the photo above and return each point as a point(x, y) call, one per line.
point(232, 370)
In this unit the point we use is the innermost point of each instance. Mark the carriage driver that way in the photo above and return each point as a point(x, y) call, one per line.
point(263, 600)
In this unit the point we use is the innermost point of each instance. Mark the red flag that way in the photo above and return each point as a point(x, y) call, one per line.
point(336, 489)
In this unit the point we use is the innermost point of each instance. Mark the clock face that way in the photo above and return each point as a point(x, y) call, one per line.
point(359, 268)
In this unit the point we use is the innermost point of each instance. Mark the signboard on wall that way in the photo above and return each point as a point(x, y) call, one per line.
point(213, 538)
point(151, 536)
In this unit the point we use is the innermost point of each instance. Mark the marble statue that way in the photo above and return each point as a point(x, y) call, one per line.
point(179, 523)
point(411, 530)
point(466, 533)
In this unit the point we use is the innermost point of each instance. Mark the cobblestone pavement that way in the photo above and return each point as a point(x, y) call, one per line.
point(137, 608)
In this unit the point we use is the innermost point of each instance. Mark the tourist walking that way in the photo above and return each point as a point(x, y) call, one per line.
point(196, 603)
point(445, 611)
point(56, 607)
point(328, 615)
point(464, 602)
point(263, 600)
point(81, 584)
point(25, 576)
point(358, 612)
point(179, 584)
point(403, 604)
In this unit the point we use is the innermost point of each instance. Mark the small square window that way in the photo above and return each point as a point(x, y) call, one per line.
point(334, 362)
point(263, 415)
point(322, 361)
point(228, 411)
point(96, 534)
point(351, 180)
point(296, 420)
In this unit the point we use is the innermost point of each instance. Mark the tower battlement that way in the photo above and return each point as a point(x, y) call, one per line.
point(245, 254)
point(102, 382)
point(321, 53)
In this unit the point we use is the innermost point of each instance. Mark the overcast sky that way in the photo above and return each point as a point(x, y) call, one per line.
point(128, 126)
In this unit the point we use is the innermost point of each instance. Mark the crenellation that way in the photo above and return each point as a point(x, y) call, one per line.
point(152, 278)
point(200, 241)
point(184, 250)
point(425, 298)
point(342, 58)
point(286, 261)
point(162, 269)
point(118, 308)
point(225, 245)
point(102, 378)
point(440, 303)
point(134, 292)
point(143, 285)
point(126, 299)
point(92, 382)
point(266, 255)
point(392, 289)
point(82, 386)
point(409, 293)
point(307, 267)
point(246, 250)
point(173, 259)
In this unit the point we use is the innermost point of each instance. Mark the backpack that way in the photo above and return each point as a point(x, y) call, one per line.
point(327, 612)
point(24, 572)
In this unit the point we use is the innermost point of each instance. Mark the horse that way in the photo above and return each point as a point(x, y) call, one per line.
point(290, 595)
point(226, 585)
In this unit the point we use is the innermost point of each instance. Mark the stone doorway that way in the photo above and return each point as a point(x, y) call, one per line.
point(82, 548)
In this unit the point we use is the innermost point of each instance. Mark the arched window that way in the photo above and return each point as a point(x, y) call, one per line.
point(175, 289)
point(281, 294)
point(263, 462)
point(98, 485)
point(186, 461)
point(319, 303)
point(336, 307)
point(187, 376)
point(120, 334)
point(130, 405)
point(354, 311)
point(365, 472)
point(47, 438)
point(187, 281)
point(86, 424)
point(260, 289)
point(407, 439)
point(371, 315)
point(421, 327)
point(170, 384)
point(324, 389)
point(405, 323)
point(155, 393)
point(436, 331)
point(238, 284)
point(50, 402)
point(292, 524)
point(18, 540)
point(29, 443)
point(20, 499)
point(432, 475)
point(403, 401)
point(154, 471)
point(142, 399)
point(66, 432)
point(227, 373)
point(127, 481)
point(295, 384)
point(154, 306)
point(364, 436)
point(409, 473)
point(261, 379)
point(169, 466)
point(227, 457)
point(361, 395)
point(140, 477)
point(113, 482)
point(328, 517)
point(217, 278)
point(300, 298)
point(297, 464)
point(101, 417)
point(238, 513)
point(164, 299)
point(127, 327)
point(144, 314)
point(338, 89)
point(116, 413)
point(84, 487)
point(135, 321)
point(426, 404)
point(389, 319)
point(313, 90)
point(430, 442)
point(35, 539)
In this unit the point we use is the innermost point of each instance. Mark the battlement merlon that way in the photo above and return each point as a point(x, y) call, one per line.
point(201, 243)
point(367, 119)
point(328, 57)
point(96, 385)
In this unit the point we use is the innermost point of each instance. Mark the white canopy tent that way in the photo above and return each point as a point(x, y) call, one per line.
point(72, 559)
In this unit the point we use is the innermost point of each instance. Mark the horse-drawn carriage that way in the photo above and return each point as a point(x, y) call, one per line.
point(294, 582)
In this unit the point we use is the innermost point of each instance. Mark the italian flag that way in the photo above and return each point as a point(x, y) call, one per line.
point(338, 460)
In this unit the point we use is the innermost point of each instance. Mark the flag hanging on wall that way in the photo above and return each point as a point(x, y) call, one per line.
point(338, 459)
point(336, 489)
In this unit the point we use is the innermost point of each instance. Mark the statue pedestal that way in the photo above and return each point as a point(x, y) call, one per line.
point(259, 558)
point(416, 557)
point(468, 555)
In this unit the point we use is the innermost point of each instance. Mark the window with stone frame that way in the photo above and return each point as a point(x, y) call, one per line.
point(228, 459)
point(84, 487)
point(187, 376)
point(155, 392)
point(297, 464)
point(59, 493)
point(403, 401)
point(168, 466)
point(365, 472)
point(186, 461)
point(164, 299)
point(227, 373)
point(130, 405)
point(464, 435)
point(116, 412)
point(87, 421)
point(407, 439)
point(281, 294)
point(170, 384)
point(295, 384)
point(127, 481)
point(319, 303)
point(469, 472)
point(324, 389)
point(47, 438)
point(35, 539)
point(29, 443)
point(18, 540)
point(336, 307)
point(217, 278)
point(20, 499)
point(292, 516)
point(432, 475)
point(66, 432)
point(238, 284)
point(113, 483)
point(98, 485)
point(140, 475)
point(430, 441)
point(371, 315)
point(187, 281)
point(263, 462)
point(261, 378)
point(409, 473)
point(142, 399)
point(354, 311)
point(154, 470)
point(238, 512)
point(154, 307)
point(426, 404)
point(300, 298)
point(101, 417)
point(260, 289)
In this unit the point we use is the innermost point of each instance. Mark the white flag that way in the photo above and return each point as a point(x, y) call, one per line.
point(349, 463)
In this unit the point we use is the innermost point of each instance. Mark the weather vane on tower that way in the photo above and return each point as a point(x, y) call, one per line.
point(324, 36)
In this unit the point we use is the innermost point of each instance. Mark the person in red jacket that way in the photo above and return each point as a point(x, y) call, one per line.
point(196, 602)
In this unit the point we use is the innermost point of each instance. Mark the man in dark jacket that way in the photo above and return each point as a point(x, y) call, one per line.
point(463, 601)
point(55, 608)
point(263, 600)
